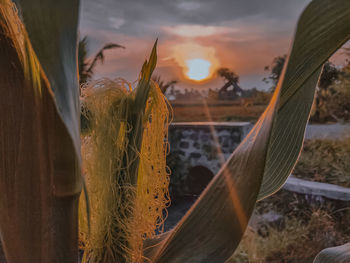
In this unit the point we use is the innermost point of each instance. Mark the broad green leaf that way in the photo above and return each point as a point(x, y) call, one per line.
point(40, 179)
point(340, 254)
point(322, 29)
point(138, 110)
point(213, 227)
point(52, 28)
point(143, 86)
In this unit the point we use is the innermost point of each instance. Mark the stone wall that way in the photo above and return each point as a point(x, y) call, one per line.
point(198, 150)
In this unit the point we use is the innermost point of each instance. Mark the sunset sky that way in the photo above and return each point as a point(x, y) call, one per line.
point(243, 35)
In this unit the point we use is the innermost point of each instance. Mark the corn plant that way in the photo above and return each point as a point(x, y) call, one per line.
point(40, 180)
point(123, 153)
point(39, 134)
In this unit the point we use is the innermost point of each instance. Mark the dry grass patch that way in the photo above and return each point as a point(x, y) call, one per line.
point(325, 161)
point(298, 242)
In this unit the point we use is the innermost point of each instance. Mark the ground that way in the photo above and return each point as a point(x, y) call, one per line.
point(293, 228)
point(325, 160)
point(217, 111)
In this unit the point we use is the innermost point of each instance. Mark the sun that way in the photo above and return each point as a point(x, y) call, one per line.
point(197, 63)
point(198, 69)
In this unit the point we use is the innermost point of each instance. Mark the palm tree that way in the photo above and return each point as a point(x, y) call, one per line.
point(86, 68)
point(163, 85)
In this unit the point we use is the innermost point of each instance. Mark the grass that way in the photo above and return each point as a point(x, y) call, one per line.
point(325, 161)
point(305, 229)
point(224, 112)
point(297, 242)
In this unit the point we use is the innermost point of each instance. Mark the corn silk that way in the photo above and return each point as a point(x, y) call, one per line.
point(122, 214)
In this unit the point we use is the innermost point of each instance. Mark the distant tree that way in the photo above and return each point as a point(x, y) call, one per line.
point(347, 53)
point(231, 80)
point(330, 73)
point(326, 93)
point(228, 75)
point(163, 85)
point(276, 71)
point(86, 66)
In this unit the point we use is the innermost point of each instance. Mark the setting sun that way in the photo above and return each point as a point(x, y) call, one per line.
point(197, 62)
point(198, 69)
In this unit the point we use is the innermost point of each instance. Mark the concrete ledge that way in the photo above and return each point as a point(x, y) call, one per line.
point(201, 124)
point(330, 191)
point(200, 146)
point(327, 131)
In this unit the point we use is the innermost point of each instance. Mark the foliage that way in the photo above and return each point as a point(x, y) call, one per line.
point(231, 82)
point(276, 71)
point(296, 242)
point(333, 98)
point(220, 215)
point(86, 66)
point(329, 74)
point(325, 161)
point(40, 178)
point(128, 193)
point(262, 97)
point(291, 227)
point(163, 85)
point(325, 103)
point(228, 75)
point(213, 112)
point(213, 227)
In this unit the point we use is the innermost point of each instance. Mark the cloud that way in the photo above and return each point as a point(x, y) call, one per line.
point(192, 31)
point(189, 6)
point(116, 23)
point(243, 35)
point(156, 13)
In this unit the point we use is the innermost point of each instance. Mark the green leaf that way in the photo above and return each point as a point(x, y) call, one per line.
point(213, 227)
point(144, 85)
point(322, 29)
point(52, 28)
point(138, 110)
point(340, 254)
point(40, 180)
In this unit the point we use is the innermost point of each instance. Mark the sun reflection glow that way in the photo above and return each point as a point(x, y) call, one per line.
point(197, 62)
point(198, 69)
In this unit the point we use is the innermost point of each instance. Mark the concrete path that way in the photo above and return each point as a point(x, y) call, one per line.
point(327, 131)
point(330, 191)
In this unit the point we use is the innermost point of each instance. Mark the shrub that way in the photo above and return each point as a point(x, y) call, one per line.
point(325, 161)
